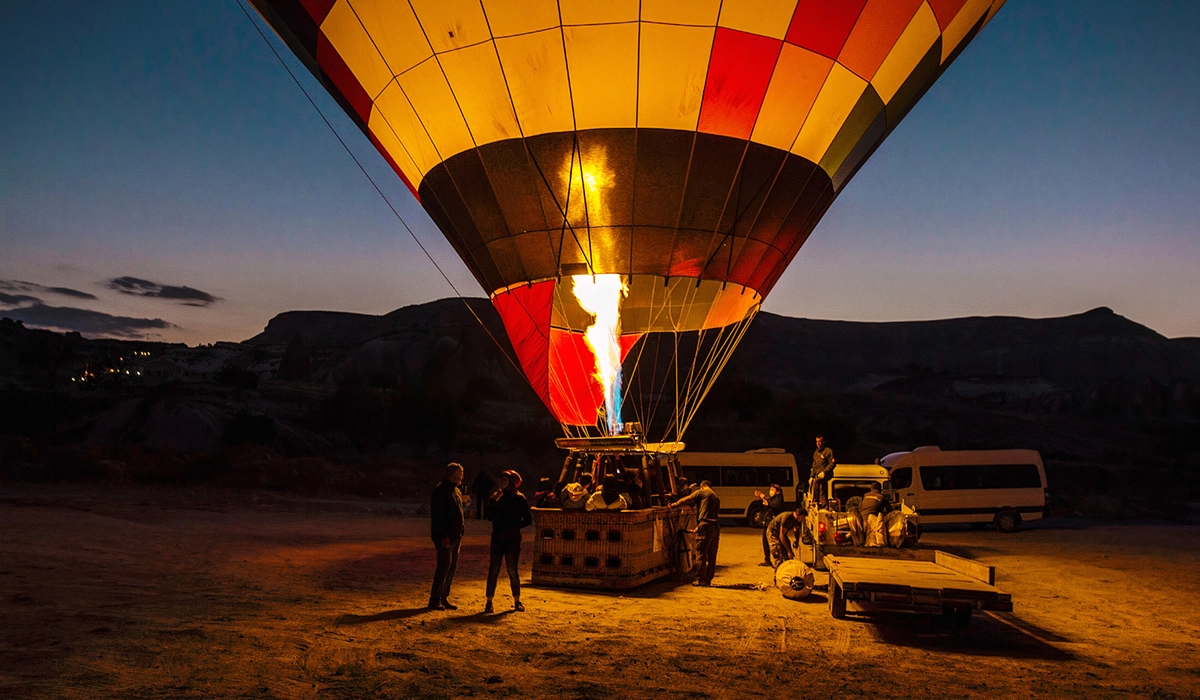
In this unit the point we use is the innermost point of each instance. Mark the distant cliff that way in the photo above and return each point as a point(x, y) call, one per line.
point(326, 400)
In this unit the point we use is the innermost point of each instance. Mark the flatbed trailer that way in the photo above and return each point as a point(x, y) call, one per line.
point(921, 581)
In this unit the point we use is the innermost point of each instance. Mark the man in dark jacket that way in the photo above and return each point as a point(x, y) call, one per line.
point(822, 468)
point(446, 529)
point(708, 532)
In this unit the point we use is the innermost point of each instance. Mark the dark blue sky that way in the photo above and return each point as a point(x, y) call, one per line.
point(1054, 168)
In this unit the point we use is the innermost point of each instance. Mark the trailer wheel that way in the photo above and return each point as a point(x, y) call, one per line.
point(837, 601)
point(1008, 520)
point(958, 618)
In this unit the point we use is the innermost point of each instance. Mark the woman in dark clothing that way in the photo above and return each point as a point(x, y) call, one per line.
point(509, 512)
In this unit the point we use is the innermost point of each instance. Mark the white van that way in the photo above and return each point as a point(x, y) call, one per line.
point(735, 476)
point(1001, 487)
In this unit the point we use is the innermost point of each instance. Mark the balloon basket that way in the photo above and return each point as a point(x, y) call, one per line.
point(611, 550)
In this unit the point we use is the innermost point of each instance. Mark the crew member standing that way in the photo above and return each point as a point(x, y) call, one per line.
point(446, 529)
point(708, 532)
point(822, 468)
point(773, 502)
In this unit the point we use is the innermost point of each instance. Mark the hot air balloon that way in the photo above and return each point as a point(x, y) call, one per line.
point(626, 179)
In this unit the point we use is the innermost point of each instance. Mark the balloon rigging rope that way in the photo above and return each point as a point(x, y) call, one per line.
point(370, 179)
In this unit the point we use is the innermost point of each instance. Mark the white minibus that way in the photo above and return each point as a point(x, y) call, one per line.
point(1000, 487)
point(735, 476)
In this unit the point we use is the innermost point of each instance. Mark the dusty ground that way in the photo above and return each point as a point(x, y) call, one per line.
point(174, 595)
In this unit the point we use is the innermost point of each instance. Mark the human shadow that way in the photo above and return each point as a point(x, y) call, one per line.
point(989, 634)
point(480, 618)
point(380, 617)
point(650, 589)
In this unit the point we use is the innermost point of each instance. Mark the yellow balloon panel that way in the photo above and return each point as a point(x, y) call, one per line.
point(434, 103)
point(535, 71)
point(391, 140)
point(592, 12)
point(393, 121)
point(511, 17)
point(962, 24)
point(452, 24)
point(478, 85)
point(393, 30)
point(910, 48)
point(837, 98)
point(352, 42)
point(673, 65)
point(766, 18)
point(602, 69)
point(695, 12)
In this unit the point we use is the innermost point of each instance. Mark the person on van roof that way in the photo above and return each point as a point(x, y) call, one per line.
point(822, 468)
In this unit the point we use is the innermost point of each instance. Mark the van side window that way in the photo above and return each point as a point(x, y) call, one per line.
point(980, 476)
point(902, 478)
point(697, 474)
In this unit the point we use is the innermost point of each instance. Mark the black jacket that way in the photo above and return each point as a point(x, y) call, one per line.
point(508, 513)
point(445, 512)
point(775, 503)
point(873, 503)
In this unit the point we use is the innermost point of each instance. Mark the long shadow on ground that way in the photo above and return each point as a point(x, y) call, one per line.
point(381, 617)
point(991, 634)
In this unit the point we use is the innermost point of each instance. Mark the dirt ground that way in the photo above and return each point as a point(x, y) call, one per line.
point(166, 594)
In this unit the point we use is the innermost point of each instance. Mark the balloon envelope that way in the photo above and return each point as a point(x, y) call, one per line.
point(690, 146)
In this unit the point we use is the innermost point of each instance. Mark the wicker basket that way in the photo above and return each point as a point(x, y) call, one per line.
point(607, 549)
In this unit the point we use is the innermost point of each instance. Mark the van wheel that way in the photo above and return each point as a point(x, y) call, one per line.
point(759, 518)
point(1008, 520)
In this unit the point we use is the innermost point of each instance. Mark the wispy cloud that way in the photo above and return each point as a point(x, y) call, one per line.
point(17, 299)
point(145, 288)
point(35, 288)
point(86, 321)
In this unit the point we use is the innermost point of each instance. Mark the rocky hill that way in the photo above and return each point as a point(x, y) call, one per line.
point(350, 402)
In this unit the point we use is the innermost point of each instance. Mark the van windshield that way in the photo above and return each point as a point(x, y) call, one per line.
point(845, 490)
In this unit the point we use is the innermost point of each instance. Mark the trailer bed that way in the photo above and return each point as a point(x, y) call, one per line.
point(932, 581)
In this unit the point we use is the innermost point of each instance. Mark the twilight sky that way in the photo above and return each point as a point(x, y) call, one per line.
point(161, 176)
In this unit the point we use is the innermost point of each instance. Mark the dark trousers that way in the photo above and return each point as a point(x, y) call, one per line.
point(443, 576)
point(708, 539)
point(505, 546)
point(766, 547)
